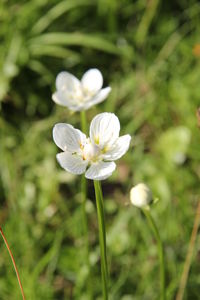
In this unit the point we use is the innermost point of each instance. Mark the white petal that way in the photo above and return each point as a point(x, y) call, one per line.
point(63, 99)
point(69, 91)
point(66, 81)
point(66, 137)
point(99, 97)
point(100, 170)
point(72, 162)
point(92, 81)
point(104, 129)
point(119, 148)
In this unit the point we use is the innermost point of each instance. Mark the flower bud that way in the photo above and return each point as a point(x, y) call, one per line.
point(141, 195)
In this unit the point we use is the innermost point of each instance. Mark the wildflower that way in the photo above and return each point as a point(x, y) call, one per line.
point(94, 155)
point(81, 94)
point(141, 195)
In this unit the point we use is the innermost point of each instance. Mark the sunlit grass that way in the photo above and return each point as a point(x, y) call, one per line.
point(154, 76)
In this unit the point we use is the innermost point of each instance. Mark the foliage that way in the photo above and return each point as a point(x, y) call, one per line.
point(146, 51)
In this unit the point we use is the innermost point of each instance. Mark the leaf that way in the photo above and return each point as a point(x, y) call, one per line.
point(84, 40)
point(53, 51)
point(56, 12)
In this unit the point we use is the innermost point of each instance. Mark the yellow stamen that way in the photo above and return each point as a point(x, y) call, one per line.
point(96, 140)
point(105, 149)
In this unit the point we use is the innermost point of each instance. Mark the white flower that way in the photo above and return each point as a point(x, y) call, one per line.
point(141, 195)
point(93, 155)
point(81, 94)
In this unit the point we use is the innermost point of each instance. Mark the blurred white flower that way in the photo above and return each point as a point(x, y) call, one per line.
point(141, 195)
point(93, 155)
point(81, 94)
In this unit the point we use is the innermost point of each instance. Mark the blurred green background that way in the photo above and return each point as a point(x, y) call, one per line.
point(149, 52)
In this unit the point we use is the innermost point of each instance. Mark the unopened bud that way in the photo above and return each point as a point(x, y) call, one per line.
point(141, 195)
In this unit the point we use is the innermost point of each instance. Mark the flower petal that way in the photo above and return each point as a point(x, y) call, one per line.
point(104, 130)
point(63, 99)
point(98, 98)
point(69, 91)
point(100, 170)
point(66, 137)
point(66, 81)
point(119, 148)
point(92, 81)
point(72, 162)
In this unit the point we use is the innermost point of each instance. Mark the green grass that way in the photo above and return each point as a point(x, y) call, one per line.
point(145, 53)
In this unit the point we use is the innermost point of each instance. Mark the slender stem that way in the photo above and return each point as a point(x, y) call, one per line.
point(155, 231)
point(102, 237)
point(84, 212)
point(83, 122)
point(85, 221)
point(13, 262)
point(84, 199)
point(188, 259)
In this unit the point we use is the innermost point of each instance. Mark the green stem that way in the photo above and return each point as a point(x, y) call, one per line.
point(85, 221)
point(84, 212)
point(83, 122)
point(102, 237)
point(155, 231)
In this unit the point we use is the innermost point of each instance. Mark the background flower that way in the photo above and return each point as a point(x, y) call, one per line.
point(81, 94)
point(93, 155)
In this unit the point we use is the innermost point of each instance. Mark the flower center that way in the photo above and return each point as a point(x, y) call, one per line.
point(91, 152)
point(87, 94)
